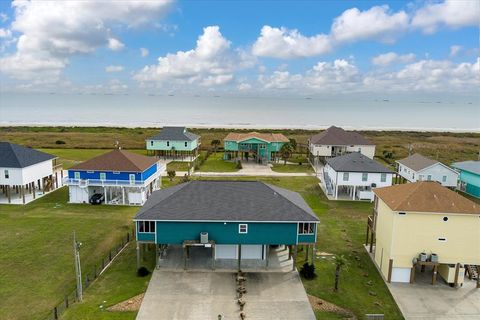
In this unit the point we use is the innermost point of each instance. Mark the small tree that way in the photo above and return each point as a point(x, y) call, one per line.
point(286, 152)
point(293, 142)
point(171, 174)
point(215, 144)
point(340, 262)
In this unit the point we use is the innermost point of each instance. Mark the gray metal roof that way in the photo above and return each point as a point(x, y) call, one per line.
point(175, 134)
point(338, 137)
point(217, 200)
point(470, 166)
point(16, 156)
point(356, 162)
point(417, 162)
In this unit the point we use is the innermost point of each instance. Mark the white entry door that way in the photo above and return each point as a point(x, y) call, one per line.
point(226, 251)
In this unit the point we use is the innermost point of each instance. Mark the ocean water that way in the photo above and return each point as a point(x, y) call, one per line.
point(141, 110)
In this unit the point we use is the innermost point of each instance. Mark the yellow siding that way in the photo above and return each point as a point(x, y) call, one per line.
point(384, 227)
point(416, 232)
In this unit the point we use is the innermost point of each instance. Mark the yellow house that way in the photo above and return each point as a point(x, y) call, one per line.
point(424, 217)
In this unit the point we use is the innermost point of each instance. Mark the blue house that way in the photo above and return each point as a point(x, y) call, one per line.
point(120, 176)
point(232, 219)
point(469, 178)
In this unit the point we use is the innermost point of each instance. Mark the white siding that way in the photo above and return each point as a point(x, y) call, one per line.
point(22, 176)
point(326, 150)
point(437, 172)
point(78, 195)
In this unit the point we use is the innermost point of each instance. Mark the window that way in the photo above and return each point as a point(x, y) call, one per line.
point(364, 176)
point(76, 175)
point(413, 176)
point(131, 177)
point(429, 177)
point(243, 228)
point(7, 174)
point(186, 143)
point(345, 176)
point(116, 172)
point(168, 143)
point(151, 143)
point(90, 171)
point(146, 226)
point(306, 228)
point(444, 179)
point(383, 177)
point(103, 176)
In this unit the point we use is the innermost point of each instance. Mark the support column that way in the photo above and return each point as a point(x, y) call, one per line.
point(138, 255)
point(123, 195)
point(478, 277)
point(434, 275)
point(22, 191)
point(457, 271)
point(295, 252)
point(267, 254)
point(156, 256)
point(33, 190)
point(9, 193)
point(354, 190)
point(239, 257)
point(371, 242)
point(390, 267)
point(213, 256)
point(307, 247)
point(336, 192)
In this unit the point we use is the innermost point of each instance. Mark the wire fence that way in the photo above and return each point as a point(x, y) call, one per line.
point(90, 276)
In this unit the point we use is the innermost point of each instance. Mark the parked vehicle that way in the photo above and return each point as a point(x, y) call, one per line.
point(97, 198)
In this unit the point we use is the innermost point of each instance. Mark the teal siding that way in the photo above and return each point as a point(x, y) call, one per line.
point(473, 190)
point(172, 145)
point(306, 238)
point(472, 182)
point(149, 237)
point(258, 233)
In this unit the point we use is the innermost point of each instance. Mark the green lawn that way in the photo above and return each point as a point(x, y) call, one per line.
point(284, 168)
point(117, 284)
point(70, 157)
point(178, 166)
point(215, 163)
point(36, 260)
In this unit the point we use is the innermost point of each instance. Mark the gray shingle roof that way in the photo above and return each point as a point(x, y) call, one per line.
point(226, 201)
point(175, 134)
point(338, 137)
point(417, 162)
point(16, 156)
point(356, 162)
point(470, 166)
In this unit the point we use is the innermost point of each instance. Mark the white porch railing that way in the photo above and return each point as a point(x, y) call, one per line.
point(104, 183)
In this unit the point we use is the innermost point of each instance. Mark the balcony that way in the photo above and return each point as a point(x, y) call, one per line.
point(104, 183)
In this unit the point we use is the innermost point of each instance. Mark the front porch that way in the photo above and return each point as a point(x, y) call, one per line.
point(175, 155)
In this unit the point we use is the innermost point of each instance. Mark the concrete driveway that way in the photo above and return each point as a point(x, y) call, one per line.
point(423, 301)
point(205, 295)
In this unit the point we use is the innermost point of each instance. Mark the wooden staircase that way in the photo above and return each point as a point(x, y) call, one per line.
point(472, 271)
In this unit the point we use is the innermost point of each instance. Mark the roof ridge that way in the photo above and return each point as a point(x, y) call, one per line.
point(126, 155)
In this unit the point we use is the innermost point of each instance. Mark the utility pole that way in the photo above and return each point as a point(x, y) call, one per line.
point(78, 268)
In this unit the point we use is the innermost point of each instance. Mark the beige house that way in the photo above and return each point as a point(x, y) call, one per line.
point(424, 217)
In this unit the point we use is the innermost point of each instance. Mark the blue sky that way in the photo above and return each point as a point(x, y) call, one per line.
point(246, 47)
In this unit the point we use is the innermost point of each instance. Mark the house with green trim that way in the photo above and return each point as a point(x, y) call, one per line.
point(175, 143)
point(469, 178)
point(262, 147)
point(232, 220)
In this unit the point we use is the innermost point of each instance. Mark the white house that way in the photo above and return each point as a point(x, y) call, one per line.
point(419, 168)
point(353, 176)
point(335, 142)
point(26, 174)
point(121, 177)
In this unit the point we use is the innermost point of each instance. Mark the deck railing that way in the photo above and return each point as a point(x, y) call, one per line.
point(98, 182)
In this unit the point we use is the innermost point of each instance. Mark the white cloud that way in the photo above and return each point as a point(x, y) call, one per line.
point(53, 31)
point(211, 62)
point(3, 17)
point(375, 23)
point(327, 75)
point(451, 13)
point(115, 45)
point(285, 44)
point(244, 86)
point(280, 80)
point(114, 68)
point(454, 50)
point(388, 58)
point(5, 33)
point(144, 52)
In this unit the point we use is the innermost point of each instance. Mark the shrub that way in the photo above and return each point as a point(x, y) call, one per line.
point(308, 271)
point(185, 178)
point(300, 163)
point(59, 142)
point(239, 165)
point(171, 174)
point(142, 272)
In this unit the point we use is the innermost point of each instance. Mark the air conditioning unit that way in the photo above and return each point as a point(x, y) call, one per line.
point(204, 237)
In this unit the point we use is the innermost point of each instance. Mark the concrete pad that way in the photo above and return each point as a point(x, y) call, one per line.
point(205, 295)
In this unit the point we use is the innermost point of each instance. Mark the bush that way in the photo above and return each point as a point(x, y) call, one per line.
point(186, 178)
point(300, 163)
point(308, 271)
point(142, 272)
point(171, 174)
point(59, 142)
point(239, 165)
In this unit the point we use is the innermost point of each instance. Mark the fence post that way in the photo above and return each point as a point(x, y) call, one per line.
point(55, 313)
point(66, 301)
point(110, 255)
point(128, 236)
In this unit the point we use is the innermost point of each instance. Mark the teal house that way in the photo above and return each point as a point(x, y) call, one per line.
point(469, 178)
point(261, 147)
point(229, 220)
point(175, 143)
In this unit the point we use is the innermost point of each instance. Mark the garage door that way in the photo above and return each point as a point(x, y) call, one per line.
point(226, 251)
point(252, 251)
point(401, 275)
